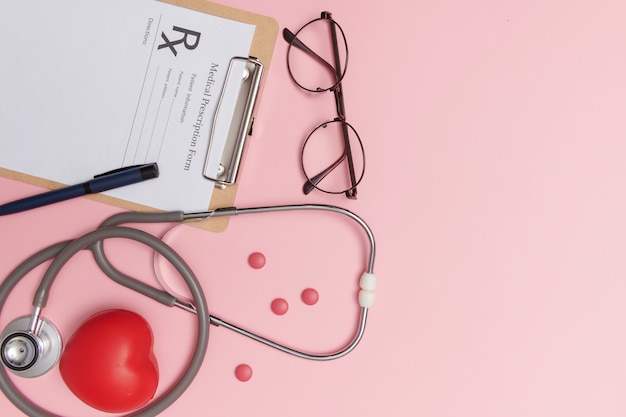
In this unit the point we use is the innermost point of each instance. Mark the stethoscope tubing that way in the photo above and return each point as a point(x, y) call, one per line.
point(168, 299)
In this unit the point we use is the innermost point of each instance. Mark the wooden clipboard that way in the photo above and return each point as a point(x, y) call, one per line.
point(266, 30)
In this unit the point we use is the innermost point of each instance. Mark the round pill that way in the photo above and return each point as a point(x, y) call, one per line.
point(280, 306)
point(256, 260)
point(243, 372)
point(310, 296)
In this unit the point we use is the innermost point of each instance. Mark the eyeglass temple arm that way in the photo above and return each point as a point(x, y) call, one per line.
point(312, 182)
point(290, 37)
point(341, 109)
point(351, 193)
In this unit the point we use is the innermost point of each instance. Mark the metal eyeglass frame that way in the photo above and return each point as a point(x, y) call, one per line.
point(337, 89)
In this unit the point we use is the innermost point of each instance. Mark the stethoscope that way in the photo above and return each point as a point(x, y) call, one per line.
point(32, 345)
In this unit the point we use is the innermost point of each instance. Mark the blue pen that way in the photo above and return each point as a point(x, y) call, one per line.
point(103, 182)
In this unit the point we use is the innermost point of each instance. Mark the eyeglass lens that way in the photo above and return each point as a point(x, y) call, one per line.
point(314, 62)
point(325, 158)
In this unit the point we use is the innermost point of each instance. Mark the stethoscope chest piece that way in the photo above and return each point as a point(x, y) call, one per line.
point(29, 354)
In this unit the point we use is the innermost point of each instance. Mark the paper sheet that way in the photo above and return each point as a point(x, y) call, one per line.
point(87, 87)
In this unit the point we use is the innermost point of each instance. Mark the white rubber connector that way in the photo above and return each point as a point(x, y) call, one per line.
point(367, 296)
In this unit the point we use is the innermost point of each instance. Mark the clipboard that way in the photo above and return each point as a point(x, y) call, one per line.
point(261, 49)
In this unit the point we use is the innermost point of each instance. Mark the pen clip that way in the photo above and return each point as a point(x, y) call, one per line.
point(118, 170)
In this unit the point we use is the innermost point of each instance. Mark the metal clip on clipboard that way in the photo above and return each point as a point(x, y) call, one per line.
point(232, 123)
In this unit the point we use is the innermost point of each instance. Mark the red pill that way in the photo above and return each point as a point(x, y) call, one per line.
point(280, 306)
point(310, 296)
point(243, 372)
point(256, 260)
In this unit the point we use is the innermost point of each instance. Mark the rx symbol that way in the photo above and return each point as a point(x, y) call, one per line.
point(186, 33)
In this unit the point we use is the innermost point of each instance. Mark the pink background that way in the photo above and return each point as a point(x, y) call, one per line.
point(494, 132)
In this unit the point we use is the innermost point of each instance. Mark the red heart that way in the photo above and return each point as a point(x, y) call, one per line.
point(109, 363)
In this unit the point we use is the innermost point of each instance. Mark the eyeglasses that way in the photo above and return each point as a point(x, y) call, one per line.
point(317, 59)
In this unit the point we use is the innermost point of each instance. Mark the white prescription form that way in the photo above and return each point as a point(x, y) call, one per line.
point(91, 86)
